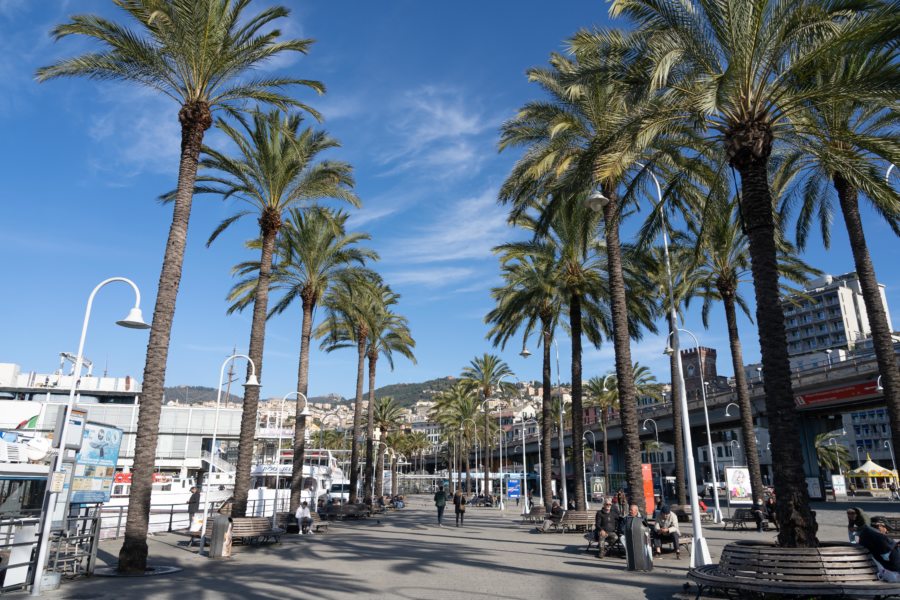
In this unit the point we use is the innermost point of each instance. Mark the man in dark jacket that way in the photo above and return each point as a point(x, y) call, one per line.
point(193, 505)
point(606, 523)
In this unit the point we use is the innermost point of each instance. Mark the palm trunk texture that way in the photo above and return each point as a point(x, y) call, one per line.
point(622, 347)
point(195, 119)
point(743, 394)
point(546, 419)
point(370, 430)
point(250, 411)
point(881, 332)
point(750, 146)
point(357, 417)
point(302, 387)
point(604, 424)
point(677, 424)
point(577, 410)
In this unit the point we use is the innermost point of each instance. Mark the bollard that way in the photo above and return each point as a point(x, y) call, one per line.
point(220, 542)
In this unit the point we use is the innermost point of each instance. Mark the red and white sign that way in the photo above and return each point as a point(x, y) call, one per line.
point(838, 395)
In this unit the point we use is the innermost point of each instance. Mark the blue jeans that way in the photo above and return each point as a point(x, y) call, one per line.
point(440, 514)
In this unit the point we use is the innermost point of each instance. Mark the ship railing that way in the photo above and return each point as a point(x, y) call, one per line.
point(219, 463)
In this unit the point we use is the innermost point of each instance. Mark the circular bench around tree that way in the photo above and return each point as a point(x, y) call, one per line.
point(833, 569)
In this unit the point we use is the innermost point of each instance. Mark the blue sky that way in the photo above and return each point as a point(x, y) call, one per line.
point(416, 93)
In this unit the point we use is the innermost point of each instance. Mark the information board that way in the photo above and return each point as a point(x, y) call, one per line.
point(95, 464)
point(513, 489)
point(737, 482)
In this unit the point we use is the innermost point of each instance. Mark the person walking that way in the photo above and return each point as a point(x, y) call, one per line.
point(193, 507)
point(459, 507)
point(440, 501)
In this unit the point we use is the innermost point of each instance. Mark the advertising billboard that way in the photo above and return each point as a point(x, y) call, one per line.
point(737, 482)
point(95, 464)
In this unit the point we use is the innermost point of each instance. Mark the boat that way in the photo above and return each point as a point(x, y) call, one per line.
point(321, 470)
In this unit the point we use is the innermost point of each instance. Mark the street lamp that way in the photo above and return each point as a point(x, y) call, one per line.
point(837, 457)
point(729, 405)
point(475, 425)
point(662, 492)
point(717, 512)
point(251, 382)
point(303, 413)
point(878, 386)
point(540, 440)
point(828, 352)
point(887, 444)
point(524, 354)
point(583, 453)
point(734, 446)
point(699, 549)
point(524, 487)
point(759, 374)
point(858, 461)
point(134, 320)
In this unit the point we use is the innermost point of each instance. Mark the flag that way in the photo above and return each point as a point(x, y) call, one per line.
point(29, 423)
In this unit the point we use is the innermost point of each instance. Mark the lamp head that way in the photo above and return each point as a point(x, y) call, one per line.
point(524, 353)
point(377, 434)
point(134, 320)
point(252, 381)
point(644, 428)
point(597, 201)
point(305, 412)
point(669, 351)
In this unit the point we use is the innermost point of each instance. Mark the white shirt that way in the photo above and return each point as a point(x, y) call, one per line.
point(303, 513)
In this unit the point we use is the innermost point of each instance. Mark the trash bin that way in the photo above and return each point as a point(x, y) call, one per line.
point(220, 542)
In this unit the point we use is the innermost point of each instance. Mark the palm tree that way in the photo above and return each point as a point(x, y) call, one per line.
point(529, 299)
point(386, 414)
point(199, 54)
point(455, 409)
point(731, 70)
point(722, 264)
point(276, 168)
point(484, 374)
point(834, 457)
point(349, 305)
point(845, 142)
point(389, 333)
point(417, 444)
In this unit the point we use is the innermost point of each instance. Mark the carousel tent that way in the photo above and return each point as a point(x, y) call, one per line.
point(870, 475)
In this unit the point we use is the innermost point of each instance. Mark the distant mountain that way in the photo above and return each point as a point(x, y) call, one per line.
point(195, 394)
point(407, 394)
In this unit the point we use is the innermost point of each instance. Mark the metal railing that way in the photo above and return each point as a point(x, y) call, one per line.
point(18, 539)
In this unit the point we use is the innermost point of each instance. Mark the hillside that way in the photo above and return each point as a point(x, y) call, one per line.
point(407, 394)
point(195, 394)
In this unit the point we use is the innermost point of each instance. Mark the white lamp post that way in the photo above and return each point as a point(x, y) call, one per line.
point(837, 457)
point(475, 425)
point(858, 461)
point(251, 382)
point(134, 320)
point(734, 446)
point(662, 491)
point(729, 405)
point(699, 549)
point(587, 502)
point(887, 444)
point(302, 413)
point(878, 386)
point(540, 439)
point(524, 491)
point(717, 511)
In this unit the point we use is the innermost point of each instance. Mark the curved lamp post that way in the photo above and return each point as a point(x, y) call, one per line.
point(303, 413)
point(251, 382)
point(699, 549)
point(887, 444)
point(133, 320)
point(583, 453)
point(475, 425)
point(833, 442)
point(662, 492)
point(735, 445)
point(729, 405)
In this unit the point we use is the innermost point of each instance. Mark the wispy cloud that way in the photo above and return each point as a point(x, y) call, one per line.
point(429, 277)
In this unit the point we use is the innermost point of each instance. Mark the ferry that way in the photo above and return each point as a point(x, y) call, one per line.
point(321, 469)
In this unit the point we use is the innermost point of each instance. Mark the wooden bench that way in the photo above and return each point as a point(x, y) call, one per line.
point(347, 511)
point(576, 520)
point(254, 530)
point(838, 569)
point(535, 515)
point(685, 514)
point(741, 518)
point(284, 519)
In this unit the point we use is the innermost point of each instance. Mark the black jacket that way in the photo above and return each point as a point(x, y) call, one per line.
point(607, 521)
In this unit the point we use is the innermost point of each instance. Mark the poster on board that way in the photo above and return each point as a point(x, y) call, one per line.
point(737, 482)
point(95, 464)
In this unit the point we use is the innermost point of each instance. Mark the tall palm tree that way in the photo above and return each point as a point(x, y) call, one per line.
point(349, 305)
point(385, 414)
point(528, 299)
point(199, 54)
point(389, 333)
point(276, 169)
point(722, 264)
point(315, 251)
point(834, 457)
point(417, 444)
point(485, 373)
point(846, 143)
point(731, 69)
point(455, 409)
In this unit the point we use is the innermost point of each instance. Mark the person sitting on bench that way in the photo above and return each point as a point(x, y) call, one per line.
point(606, 524)
point(884, 550)
point(556, 513)
point(304, 518)
point(666, 529)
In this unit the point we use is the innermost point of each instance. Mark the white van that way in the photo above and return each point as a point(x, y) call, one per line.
point(340, 492)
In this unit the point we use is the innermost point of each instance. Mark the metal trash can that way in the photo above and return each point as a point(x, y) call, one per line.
point(220, 542)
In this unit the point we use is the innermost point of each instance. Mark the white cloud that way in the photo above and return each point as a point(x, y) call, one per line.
point(434, 277)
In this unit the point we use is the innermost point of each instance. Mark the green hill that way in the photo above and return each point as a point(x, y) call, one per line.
point(407, 394)
point(194, 394)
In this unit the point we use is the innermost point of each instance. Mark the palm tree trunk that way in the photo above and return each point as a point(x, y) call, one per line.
point(752, 144)
point(250, 411)
point(195, 119)
point(677, 423)
point(378, 468)
point(577, 410)
point(357, 417)
point(622, 346)
point(743, 394)
point(468, 475)
point(302, 387)
point(881, 331)
point(546, 418)
point(370, 430)
point(604, 422)
point(395, 479)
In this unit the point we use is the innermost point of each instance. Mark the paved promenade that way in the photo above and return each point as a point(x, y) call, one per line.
point(405, 555)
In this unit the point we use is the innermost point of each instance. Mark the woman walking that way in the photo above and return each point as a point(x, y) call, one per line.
point(459, 504)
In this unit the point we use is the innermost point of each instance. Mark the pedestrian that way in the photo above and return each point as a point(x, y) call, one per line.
point(894, 494)
point(304, 518)
point(193, 506)
point(440, 501)
point(459, 507)
point(606, 525)
point(622, 502)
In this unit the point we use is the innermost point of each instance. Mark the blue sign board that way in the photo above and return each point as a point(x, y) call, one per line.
point(95, 464)
point(512, 488)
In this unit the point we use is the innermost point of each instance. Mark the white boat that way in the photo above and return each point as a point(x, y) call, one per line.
point(320, 471)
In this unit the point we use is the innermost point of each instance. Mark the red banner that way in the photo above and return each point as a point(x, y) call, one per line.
point(838, 395)
point(647, 476)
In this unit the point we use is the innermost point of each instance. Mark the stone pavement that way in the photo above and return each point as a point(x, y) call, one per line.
point(405, 555)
